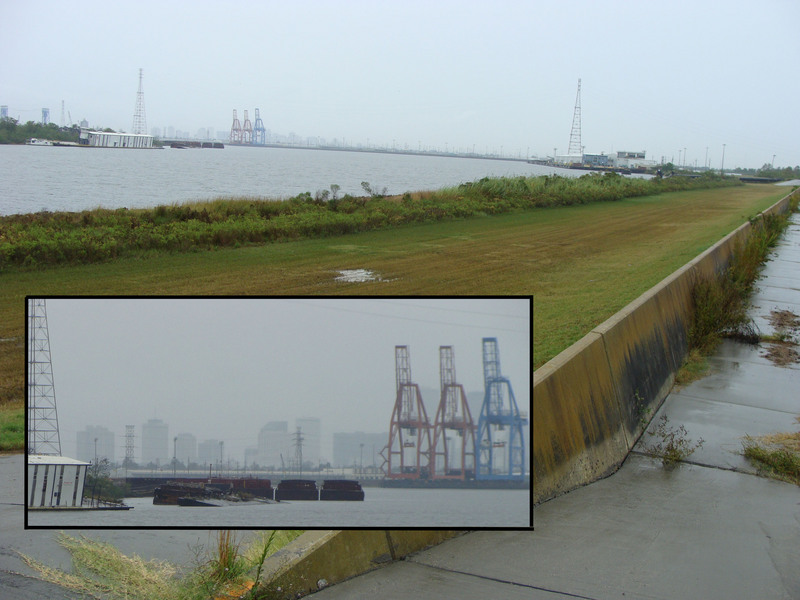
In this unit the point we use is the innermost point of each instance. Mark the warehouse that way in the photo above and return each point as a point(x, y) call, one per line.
point(55, 481)
point(111, 139)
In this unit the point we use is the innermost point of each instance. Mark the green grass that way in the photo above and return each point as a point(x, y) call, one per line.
point(581, 263)
point(12, 428)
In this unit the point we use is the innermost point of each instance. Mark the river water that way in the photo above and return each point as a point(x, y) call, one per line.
point(35, 178)
point(382, 508)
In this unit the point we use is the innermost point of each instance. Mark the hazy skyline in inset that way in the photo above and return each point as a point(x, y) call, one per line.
point(223, 368)
point(677, 80)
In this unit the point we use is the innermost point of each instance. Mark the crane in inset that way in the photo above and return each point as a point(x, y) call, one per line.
point(500, 444)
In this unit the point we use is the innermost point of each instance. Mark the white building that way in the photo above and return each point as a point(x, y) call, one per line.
point(55, 481)
point(110, 139)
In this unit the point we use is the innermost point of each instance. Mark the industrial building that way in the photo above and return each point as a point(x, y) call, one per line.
point(55, 481)
point(95, 443)
point(110, 139)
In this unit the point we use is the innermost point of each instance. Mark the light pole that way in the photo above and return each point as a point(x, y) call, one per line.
point(174, 455)
point(361, 462)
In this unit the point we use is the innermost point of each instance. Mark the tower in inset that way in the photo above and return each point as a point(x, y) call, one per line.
point(139, 118)
point(43, 435)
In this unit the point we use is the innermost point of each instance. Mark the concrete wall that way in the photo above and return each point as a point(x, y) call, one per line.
point(590, 402)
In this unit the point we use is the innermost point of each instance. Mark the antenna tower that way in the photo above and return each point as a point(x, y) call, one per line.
point(43, 436)
point(247, 130)
point(259, 133)
point(298, 450)
point(575, 148)
point(129, 461)
point(139, 119)
point(236, 129)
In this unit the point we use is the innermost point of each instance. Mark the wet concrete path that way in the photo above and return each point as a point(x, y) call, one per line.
point(709, 528)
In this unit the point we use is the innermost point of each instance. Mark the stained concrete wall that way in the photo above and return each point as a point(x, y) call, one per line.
point(592, 401)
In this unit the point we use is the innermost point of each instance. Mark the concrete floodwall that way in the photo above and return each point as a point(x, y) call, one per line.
point(592, 402)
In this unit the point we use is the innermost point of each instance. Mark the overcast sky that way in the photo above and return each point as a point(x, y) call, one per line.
point(223, 368)
point(494, 75)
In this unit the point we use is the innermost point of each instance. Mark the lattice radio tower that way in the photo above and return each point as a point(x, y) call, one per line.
point(139, 119)
point(129, 446)
point(575, 147)
point(43, 436)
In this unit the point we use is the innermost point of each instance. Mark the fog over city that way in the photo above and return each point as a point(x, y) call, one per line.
point(678, 80)
point(223, 368)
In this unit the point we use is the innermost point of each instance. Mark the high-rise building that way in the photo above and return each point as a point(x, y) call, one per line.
point(274, 445)
point(210, 452)
point(185, 448)
point(104, 448)
point(155, 443)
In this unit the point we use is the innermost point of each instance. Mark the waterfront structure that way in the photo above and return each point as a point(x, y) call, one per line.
point(500, 443)
point(55, 481)
point(155, 443)
point(409, 431)
point(112, 139)
point(453, 450)
point(95, 443)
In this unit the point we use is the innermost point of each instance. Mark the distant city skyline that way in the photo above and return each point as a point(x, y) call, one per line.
point(684, 80)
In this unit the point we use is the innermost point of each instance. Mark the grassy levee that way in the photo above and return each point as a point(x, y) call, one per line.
point(582, 264)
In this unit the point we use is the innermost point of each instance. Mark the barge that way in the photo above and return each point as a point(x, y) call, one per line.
point(297, 489)
point(341, 489)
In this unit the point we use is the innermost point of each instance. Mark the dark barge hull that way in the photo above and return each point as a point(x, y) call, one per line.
point(297, 489)
point(341, 489)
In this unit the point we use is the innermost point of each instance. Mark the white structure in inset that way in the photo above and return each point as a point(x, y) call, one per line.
point(155, 443)
point(111, 139)
point(43, 436)
point(95, 443)
point(55, 481)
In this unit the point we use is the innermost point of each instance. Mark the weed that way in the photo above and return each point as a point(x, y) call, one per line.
point(694, 367)
point(777, 455)
point(673, 445)
point(101, 571)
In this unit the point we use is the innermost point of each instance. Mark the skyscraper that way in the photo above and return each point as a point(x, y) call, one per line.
point(155, 443)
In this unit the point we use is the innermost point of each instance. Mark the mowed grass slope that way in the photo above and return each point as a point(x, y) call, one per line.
point(580, 263)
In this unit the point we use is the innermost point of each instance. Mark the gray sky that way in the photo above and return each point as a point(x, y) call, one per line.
point(222, 368)
point(494, 75)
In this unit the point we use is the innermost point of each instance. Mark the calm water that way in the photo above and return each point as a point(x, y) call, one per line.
point(34, 178)
point(384, 508)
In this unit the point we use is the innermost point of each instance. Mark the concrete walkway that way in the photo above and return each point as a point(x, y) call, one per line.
point(709, 528)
